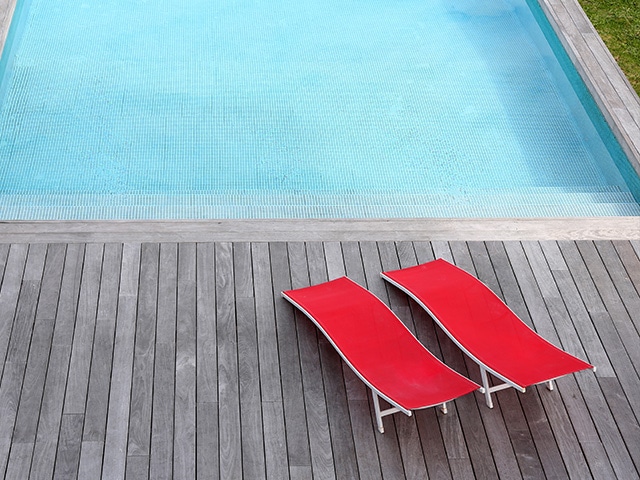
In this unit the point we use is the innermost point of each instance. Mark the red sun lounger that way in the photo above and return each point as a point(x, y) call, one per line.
point(484, 327)
point(379, 348)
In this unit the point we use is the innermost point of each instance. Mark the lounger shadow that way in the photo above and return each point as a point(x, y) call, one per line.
point(484, 327)
point(379, 348)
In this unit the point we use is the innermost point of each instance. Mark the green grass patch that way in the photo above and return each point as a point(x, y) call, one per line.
point(618, 23)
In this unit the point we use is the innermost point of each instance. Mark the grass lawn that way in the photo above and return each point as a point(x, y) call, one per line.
point(618, 23)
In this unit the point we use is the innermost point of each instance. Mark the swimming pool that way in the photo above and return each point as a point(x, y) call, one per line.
point(350, 109)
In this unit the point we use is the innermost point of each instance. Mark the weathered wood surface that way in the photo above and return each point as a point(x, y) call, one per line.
point(183, 361)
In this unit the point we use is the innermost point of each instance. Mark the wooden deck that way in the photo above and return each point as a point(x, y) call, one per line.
point(180, 360)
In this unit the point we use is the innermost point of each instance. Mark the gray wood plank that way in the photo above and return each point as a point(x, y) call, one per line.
point(290, 370)
point(207, 440)
point(228, 391)
point(102, 356)
point(207, 345)
point(266, 325)
point(630, 259)
point(587, 428)
point(91, 459)
point(530, 402)
point(315, 404)
point(611, 299)
point(115, 444)
point(4, 254)
point(588, 336)
point(184, 440)
point(78, 378)
point(161, 461)
point(272, 408)
point(69, 294)
point(33, 385)
point(626, 421)
point(207, 447)
point(576, 408)
point(252, 438)
point(162, 417)
point(139, 438)
point(25, 314)
point(9, 397)
point(18, 349)
point(621, 280)
point(619, 319)
point(137, 467)
point(44, 454)
point(19, 460)
point(611, 341)
point(68, 455)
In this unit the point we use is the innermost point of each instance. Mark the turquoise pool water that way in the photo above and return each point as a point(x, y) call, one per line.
point(275, 108)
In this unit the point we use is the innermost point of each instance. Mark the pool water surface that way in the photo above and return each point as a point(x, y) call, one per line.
point(120, 109)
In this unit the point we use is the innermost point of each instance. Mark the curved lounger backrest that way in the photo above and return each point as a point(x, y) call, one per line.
point(378, 346)
point(482, 325)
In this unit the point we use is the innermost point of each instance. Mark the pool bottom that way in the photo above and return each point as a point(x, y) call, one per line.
point(531, 203)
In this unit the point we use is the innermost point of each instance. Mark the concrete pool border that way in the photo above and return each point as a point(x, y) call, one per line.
point(610, 88)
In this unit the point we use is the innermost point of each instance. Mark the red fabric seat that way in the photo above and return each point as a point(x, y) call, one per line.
point(378, 346)
point(483, 326)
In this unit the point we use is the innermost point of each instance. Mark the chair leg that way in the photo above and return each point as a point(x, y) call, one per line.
point(485, 384)
point(376, 406)
point(550, 385)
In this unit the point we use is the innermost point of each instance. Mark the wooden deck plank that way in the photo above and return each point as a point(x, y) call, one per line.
point(321, 453)
point(588, 428)
point(290, 373)
point(4, 254)
point(80, 363)
point(253, 460)
point(18, 348)
point(576, 409)
point(621, 280)
point(35, 374)
point(228, 389)
point(630, 259)
point(184, 442)
point(162, 416)
point(44, 454)
point(617, 321)
point(68, 455)
point(586, 332)
point(24, 434)
point(275, 443)
point(95, 421)
point(115, 440)
point(139, 438)
point(326, 263)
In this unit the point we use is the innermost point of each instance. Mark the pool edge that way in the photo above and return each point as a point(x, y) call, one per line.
point(607, 83)
point(263, 230)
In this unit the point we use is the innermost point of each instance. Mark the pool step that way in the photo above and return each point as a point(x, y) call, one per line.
point(531, 202)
